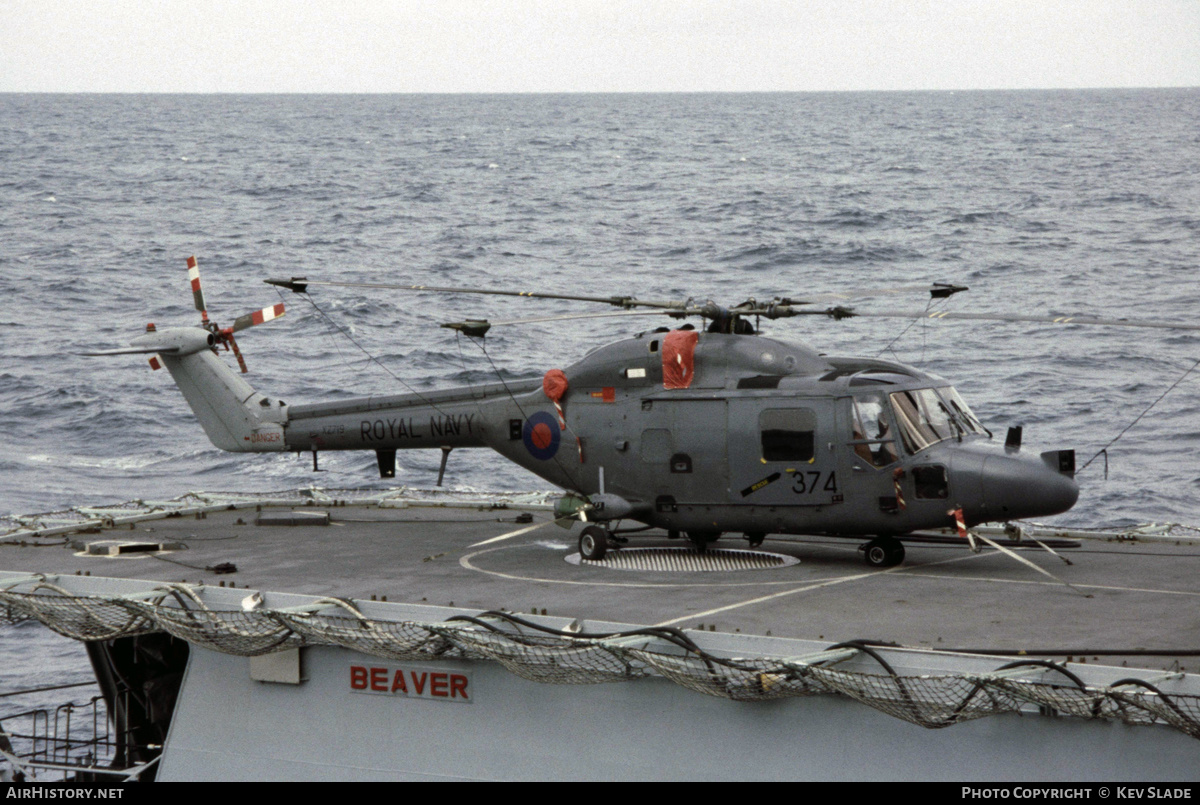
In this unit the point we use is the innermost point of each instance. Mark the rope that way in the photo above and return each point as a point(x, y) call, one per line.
point(371, 357)
point(572, 477)
point(1104, 449)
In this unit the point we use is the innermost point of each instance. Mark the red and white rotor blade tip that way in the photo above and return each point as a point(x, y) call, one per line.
point(193, 271)
point(258, 317)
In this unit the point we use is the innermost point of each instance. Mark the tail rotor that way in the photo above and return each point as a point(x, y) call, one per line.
point(224, 335)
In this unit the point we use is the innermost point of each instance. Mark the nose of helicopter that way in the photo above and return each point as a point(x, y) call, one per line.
point(1020, 485)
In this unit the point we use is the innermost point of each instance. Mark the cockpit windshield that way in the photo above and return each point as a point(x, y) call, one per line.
point(962, 412)
point(928, 416)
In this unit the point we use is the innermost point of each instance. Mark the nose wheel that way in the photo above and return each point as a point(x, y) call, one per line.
point(883, 552)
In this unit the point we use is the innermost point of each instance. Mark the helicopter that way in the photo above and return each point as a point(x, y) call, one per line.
point(700, 432)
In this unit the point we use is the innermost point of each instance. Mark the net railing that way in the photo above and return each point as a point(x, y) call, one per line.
point(541, 654)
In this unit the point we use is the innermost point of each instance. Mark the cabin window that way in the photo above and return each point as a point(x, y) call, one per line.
point(788, 434)
point(872, 434)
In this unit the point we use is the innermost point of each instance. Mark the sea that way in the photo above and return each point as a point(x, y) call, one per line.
point(1081, 202)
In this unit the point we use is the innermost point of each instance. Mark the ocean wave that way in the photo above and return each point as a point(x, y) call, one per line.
point(983, 217)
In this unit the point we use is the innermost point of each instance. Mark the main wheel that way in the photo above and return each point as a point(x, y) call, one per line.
point(593, 543)
point(883, 552)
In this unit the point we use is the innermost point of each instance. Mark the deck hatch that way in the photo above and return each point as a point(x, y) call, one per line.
point(118, 547)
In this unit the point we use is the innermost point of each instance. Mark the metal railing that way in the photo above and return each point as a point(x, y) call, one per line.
point(72, 741)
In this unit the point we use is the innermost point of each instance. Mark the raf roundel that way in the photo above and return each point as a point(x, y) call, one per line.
point(541, 436)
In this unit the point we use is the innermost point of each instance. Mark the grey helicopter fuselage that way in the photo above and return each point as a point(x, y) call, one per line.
point(765, 437)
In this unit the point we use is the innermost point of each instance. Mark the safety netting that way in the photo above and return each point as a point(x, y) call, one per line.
point(536, 652)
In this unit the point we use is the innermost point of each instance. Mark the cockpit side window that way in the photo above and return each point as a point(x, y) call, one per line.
point(872, 437)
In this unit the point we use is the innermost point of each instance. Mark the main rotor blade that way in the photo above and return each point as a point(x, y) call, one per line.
point(472, 324)
point(843, 313)
point(937, 290)
point(193, 271)
point(300, 285)
point(131, 351)
point(258, 317)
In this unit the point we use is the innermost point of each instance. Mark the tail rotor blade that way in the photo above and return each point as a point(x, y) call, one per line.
point(237, 353)
point(258, 317)
point(197, 293)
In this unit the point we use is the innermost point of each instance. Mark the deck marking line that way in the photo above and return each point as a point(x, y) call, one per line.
point(1109, 587)
point(805, 588)
point(760, 599)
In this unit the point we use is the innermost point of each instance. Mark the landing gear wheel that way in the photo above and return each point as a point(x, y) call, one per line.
point(593, 543)
point(702, 539)
point(883, 552)
point(755, 538)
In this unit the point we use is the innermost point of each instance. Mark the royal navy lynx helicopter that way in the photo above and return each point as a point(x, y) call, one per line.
point(701, 432)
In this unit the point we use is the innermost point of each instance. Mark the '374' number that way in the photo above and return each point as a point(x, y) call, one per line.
point(807, 482)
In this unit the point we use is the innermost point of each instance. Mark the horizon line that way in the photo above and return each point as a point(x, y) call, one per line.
point(601, 92)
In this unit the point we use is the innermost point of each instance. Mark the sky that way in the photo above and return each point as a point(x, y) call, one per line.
point(594, 45)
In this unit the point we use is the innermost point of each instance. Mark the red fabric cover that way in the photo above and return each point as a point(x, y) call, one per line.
point(678, 357)
point(554, 384)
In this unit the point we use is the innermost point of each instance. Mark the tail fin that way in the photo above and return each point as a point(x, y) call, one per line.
point(234, 416)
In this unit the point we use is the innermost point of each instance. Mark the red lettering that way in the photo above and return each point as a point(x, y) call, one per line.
point(458, 685)
point(437, 685)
